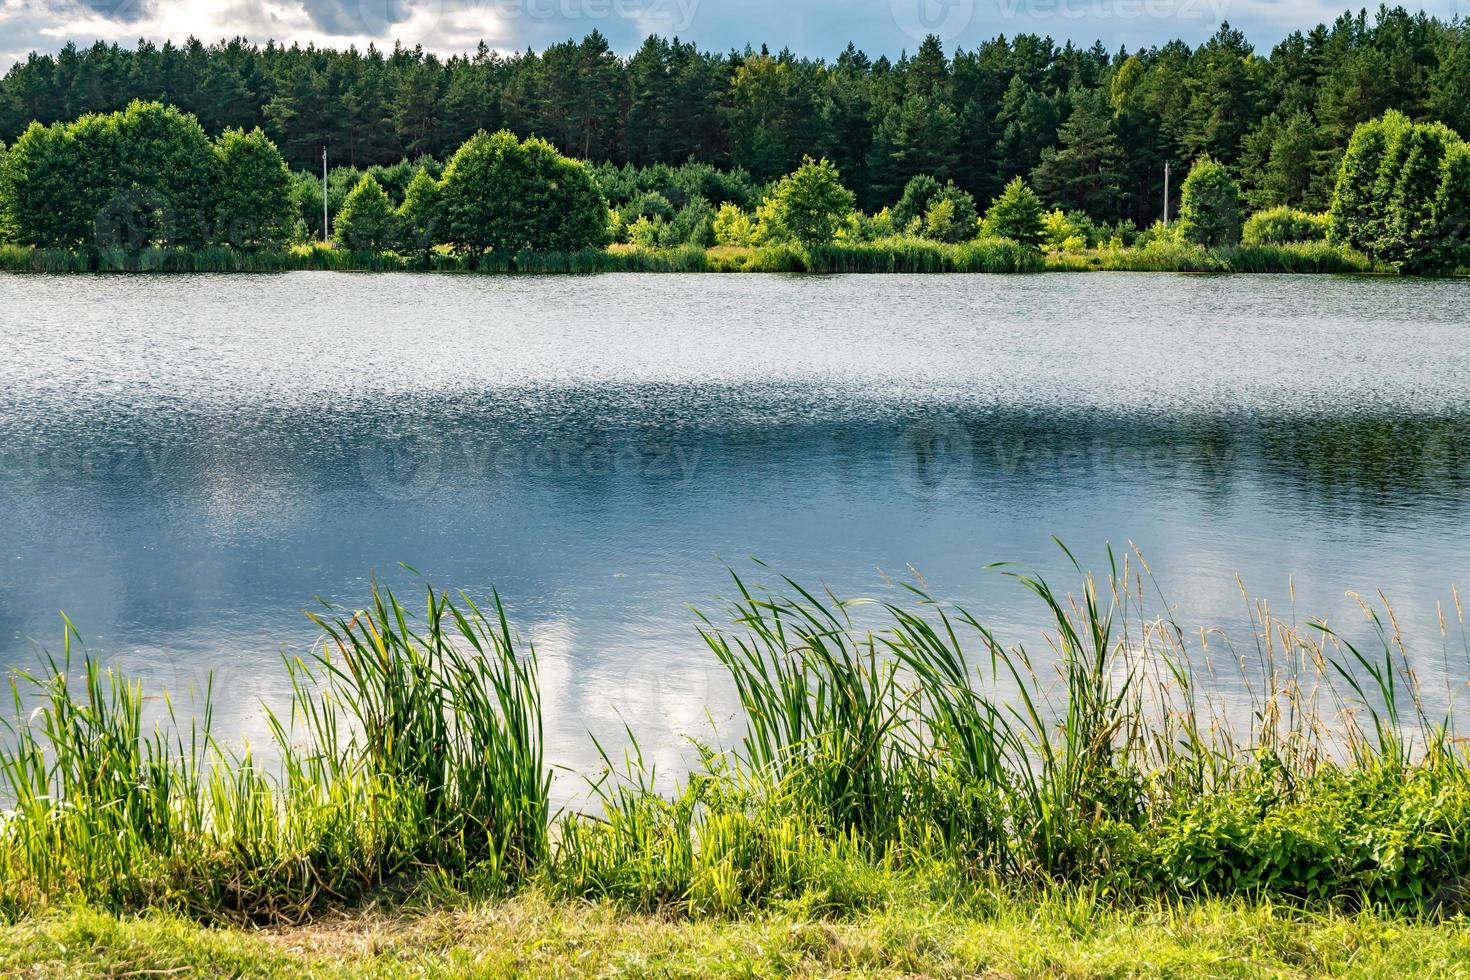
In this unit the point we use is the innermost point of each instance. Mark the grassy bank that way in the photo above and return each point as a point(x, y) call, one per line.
point(892, 256)
point(882, 751)
point(1061, 935)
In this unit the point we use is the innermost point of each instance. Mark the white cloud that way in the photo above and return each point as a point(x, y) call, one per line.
point(814, 27)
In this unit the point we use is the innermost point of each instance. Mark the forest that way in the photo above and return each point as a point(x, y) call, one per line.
point(1090, 129)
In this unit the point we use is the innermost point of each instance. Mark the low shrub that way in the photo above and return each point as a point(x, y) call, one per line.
point(1284, 226)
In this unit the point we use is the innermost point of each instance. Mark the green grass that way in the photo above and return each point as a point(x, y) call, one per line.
point(887, 754)
point(1060, 935)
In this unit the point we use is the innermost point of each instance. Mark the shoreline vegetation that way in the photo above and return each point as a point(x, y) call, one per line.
point(900, 790)
point(146, 189)
point(885, 256)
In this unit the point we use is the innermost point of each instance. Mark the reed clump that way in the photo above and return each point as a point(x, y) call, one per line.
point(889, 255)
point(880, 748)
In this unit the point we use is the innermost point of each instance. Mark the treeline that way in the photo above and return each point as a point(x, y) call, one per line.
point(148, 178)
point(1091, 129)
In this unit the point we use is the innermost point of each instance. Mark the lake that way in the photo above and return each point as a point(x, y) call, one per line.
point(186, 463)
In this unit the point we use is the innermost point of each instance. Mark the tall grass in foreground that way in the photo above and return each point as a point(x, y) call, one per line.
point(878, 745)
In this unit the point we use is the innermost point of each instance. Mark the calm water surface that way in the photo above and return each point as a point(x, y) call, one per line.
point(186, 463)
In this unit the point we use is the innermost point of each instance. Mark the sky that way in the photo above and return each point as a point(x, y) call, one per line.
point(808, 27)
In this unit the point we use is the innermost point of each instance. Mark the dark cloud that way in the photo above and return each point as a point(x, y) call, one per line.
point(122, 11)
point(342, 16)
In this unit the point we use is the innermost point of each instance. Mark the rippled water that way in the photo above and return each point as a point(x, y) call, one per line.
point(186, 462)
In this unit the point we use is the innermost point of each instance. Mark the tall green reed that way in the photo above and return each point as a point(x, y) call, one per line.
point(873, 739)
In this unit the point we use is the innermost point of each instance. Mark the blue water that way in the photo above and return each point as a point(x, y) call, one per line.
point(188, 462)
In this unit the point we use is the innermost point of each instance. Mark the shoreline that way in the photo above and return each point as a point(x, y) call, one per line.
point(916, 258)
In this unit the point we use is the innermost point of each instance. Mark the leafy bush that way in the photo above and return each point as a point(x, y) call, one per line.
point(732, 226)
point(1062, 234)
point(913, 204)
point(1284, 225)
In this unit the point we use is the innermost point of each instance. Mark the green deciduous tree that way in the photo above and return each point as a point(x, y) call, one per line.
point(1402, 194)
point(420, 218)
point(1410, 232)
point(365, 222)
point(254, 197)
point(1209, 205)
point(810, 204)
point(143, 176)
point(1016, 214)
point(917, 195)
point(505, 195)
point(1355, 208)
point(1451, 240)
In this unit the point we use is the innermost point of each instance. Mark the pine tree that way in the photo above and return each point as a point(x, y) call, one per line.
point(1082, 174)
point(1016, 214)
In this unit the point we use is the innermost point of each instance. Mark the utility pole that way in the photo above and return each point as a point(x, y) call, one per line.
point(1166, 193)
point(324, 195)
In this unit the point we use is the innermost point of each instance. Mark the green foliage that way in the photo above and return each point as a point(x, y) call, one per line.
point(366, 221)
point(1450, 247)
point(504, 195)
point(1284, 225)
point(1209, 205)
point(1090, 128)
point(1016, 214)
point(733, 226)
point(1083, 172)
point(420, 216)
point(1401, 194)
point(950, 215)
point(7, 223)
point(914, 203)
point(1062, 234)
point(1281, 155)
point(810, 204)
point(943, 212)
point(255, 191)
point(146, 175)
